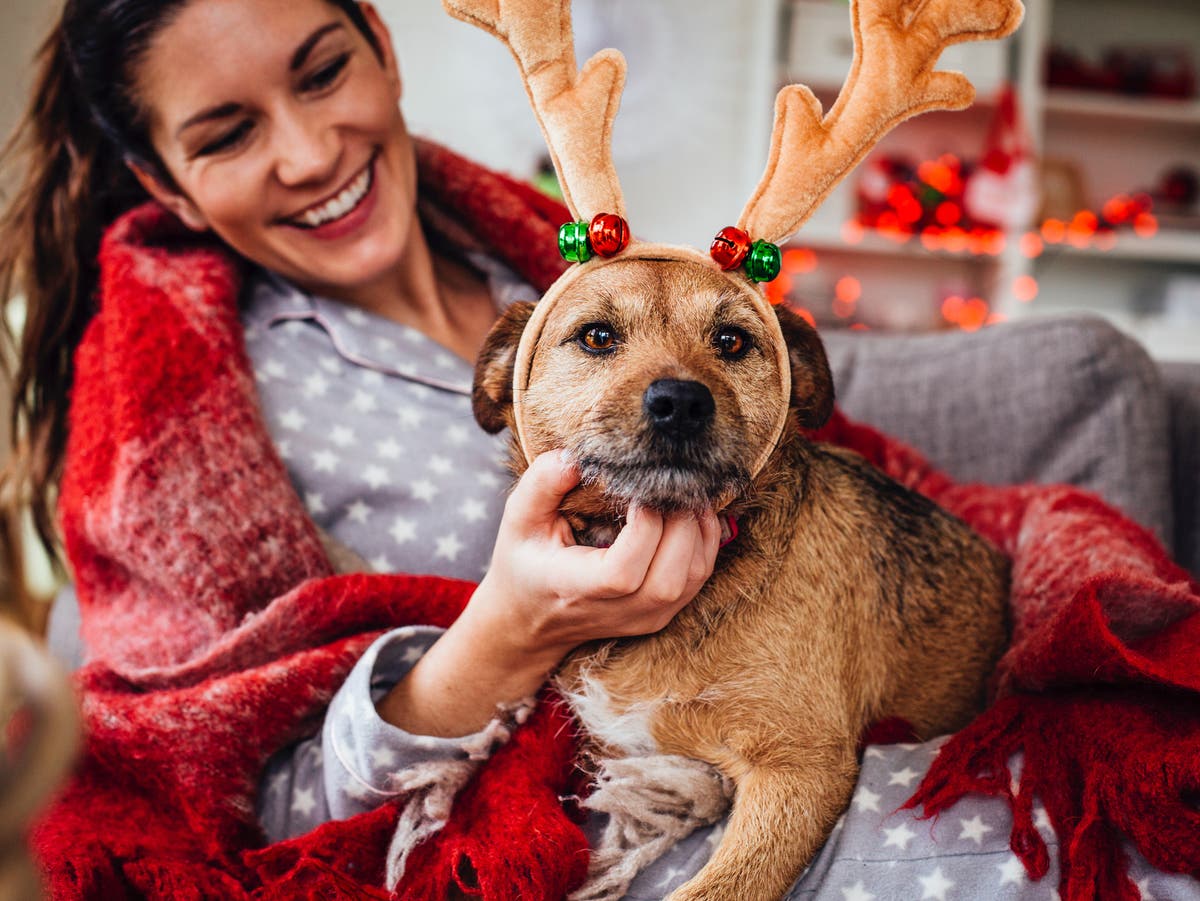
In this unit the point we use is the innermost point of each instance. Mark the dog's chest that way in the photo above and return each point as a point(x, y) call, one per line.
point(623, 729)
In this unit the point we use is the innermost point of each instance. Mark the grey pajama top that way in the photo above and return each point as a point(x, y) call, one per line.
point(373, 420)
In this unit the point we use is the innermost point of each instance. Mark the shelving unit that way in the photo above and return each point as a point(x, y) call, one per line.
point(1065, 104)
point(1119, 144)
point(1179, 247)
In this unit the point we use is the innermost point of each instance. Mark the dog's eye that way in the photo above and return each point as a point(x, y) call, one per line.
point(597, 338)
point(732, 342)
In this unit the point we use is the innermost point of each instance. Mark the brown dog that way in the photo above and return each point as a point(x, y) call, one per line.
point(845, 597)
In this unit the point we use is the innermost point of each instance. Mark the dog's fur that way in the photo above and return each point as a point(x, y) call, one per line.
point(845, 598)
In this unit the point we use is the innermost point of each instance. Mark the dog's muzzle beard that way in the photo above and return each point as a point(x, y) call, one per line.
point(668, 476)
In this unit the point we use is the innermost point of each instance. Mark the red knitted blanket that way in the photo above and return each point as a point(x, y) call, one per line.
point(219, 633)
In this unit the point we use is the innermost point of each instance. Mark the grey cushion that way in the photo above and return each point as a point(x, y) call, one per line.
point(1067, 399)
point(1182, 381)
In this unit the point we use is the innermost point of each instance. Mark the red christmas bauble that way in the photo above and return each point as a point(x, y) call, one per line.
point(729, 247)
point(608, 234)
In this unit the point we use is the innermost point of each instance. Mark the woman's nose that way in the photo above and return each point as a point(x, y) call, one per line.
point(306, 149)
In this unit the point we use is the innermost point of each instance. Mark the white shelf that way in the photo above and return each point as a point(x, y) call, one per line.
point(1121, 108)
point(877, 245)
point(1181, 247)
point(1165, 247)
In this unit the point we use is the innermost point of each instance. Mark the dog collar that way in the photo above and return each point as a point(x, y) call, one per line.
point(729, 530)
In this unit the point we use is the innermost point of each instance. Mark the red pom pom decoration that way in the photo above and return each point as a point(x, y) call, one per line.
point(608, 234)
point(729, 247)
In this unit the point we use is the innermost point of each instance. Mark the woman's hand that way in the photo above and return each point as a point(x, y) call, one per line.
point(546, 595)
point(543, 596)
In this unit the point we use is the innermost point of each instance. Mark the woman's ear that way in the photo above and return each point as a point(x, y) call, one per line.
point(383, 42)
point(170, 197)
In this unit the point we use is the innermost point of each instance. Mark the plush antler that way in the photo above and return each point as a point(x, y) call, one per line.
point(896, 45)
point(574, 108)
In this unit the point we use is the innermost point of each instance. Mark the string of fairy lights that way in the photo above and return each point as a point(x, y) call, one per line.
point(925, 205)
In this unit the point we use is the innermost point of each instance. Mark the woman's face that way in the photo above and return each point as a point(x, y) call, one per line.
point(281, 129)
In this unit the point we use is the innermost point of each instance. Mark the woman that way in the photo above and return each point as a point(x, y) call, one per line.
point(264, 149)
point(284, 139)
point(273, 125)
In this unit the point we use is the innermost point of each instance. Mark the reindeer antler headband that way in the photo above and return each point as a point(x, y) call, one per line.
point(892, 77)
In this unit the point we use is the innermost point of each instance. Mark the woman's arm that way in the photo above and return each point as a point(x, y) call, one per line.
point(543, 596)
point(357, 761)
point(434, 720)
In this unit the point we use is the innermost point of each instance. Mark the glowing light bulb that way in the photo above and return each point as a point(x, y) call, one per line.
point(848, 289)
point(1025, 288)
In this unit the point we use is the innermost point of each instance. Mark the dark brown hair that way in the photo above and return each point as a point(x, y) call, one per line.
point(68, 160)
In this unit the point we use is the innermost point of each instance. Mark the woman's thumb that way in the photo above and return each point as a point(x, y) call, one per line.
point(538, 495)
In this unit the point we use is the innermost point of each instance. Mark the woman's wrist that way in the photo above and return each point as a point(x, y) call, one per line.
point(490, 622)
point(475, 668)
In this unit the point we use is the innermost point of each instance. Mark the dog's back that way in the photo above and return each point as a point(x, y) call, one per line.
point(932, 593)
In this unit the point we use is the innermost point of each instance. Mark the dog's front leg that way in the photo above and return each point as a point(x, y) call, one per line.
point(780, 819)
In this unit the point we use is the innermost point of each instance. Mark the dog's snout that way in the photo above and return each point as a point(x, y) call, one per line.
point(678, 407)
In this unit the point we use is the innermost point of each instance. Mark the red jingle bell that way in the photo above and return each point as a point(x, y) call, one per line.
point(608, 234)
point(729, 247)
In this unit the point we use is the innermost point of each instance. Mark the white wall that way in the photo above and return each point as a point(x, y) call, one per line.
point(23, 25)
point(691, 139)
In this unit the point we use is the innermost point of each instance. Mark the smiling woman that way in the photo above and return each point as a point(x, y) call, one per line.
point(89, 131)
point(253, 300)
point(292, 150)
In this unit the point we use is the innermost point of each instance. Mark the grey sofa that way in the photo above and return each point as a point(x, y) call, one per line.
point(1051, 400)
point(1067, 399)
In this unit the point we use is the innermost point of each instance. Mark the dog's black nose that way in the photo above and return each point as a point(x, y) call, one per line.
point(677, 407)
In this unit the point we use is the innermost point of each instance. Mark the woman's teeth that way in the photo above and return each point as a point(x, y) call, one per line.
point(340, 205)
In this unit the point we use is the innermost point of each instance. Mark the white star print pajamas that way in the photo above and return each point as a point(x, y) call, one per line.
point(373, 420)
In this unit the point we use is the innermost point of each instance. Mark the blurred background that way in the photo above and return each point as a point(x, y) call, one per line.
point(1070, 185)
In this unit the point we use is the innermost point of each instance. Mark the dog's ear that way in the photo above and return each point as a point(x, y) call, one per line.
point(491, 394)
point(812, 382)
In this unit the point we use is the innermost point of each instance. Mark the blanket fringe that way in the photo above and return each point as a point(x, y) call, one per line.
point(1108, 765)
point(435, 785)
point(652, 803)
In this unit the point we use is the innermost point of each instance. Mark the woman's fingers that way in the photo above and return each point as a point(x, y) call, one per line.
point(705, 551)
point(655, 567)
point(669, 577)
point(571, 594)
point(619, 571)
point(534, 502)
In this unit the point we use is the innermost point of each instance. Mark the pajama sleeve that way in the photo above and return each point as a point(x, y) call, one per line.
point(357, 761)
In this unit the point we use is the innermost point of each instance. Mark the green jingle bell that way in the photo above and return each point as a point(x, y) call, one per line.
point(573, 242)
point(764, 261)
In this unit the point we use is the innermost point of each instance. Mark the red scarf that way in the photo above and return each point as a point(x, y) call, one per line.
point(219, 633)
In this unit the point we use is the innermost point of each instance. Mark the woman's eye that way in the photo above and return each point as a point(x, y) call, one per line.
point(732, 343)
point(598, 338)
point(228, 140)
point(327, 74)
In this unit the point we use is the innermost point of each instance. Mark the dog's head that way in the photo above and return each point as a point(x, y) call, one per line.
point(658, 373)
point(666, 382)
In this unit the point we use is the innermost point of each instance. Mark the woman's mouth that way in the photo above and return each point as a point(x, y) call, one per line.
point(344, 211)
